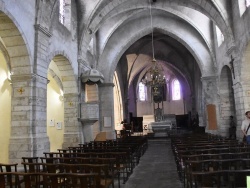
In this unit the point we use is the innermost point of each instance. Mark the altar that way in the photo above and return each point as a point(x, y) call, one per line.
point(159, 128)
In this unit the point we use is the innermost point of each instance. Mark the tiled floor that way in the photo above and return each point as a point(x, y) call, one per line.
point(156, 169)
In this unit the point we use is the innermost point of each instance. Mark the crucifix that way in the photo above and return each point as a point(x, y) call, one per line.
point(232, 65)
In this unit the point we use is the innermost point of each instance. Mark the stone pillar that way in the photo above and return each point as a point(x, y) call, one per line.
point(210, 92)
point(239, 107)
point(240, 89)
point(71, 123)
point(28, 123)
point(106, 97)
point(29, 131)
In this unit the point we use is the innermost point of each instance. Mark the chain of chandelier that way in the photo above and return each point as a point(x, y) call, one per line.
point(154, 76)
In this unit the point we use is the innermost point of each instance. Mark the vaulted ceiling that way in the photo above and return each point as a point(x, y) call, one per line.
point(116, 35)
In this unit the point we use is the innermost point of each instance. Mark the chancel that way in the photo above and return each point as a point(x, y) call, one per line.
point(130, 81)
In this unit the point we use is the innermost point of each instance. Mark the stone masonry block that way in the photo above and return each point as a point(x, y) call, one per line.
point(20, 132)
point(20, 101)
point(20, 147)
point(21, 70)
point(9, 32)
point(18, 116)
point(7, 26)
point(19, 123)
point(70, 90)
point(17, 51)
point(22, 108)
point(68, 78)
point(65, 68)
point(69, 115)
point(71, 129)
point(70, 110)
point(70, 83)
point(13, 41)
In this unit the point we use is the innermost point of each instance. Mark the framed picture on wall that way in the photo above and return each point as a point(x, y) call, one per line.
point(107, 121)
point(59, 125)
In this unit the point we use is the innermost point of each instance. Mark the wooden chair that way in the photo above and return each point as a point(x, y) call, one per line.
point(30, 159)
point(102, 170)
point(21, 180)
point(207, 179)
point(9, 168)
point(70, 180)
point(33, 168)
point(112, 172)
point(77, 180)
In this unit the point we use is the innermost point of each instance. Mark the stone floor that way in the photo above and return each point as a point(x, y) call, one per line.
point(156, 168)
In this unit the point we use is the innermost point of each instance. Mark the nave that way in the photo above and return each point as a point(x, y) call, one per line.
point(157, 167)
point(183, 160)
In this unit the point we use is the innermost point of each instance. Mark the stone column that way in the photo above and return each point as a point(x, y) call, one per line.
point(240, 89)
point(210, 93)
point(106, 97)
point(71, 123)
point(28, 120)
point(29, 104)
point(239, 106)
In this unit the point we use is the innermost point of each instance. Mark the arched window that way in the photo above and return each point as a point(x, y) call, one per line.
point(142, 92)
point(243, 5)
point(62, 12)
point(65, 13)
point(176, 90)
point(247, 3)
point(220, 36)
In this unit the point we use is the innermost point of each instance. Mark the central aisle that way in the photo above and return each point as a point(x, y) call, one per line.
point(156, 169)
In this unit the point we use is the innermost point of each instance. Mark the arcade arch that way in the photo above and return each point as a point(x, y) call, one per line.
point(62, 103)
point(15, 68)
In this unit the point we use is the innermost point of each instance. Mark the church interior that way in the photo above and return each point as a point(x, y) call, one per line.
point(133, 76)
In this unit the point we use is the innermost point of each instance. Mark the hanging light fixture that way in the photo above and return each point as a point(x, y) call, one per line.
point(154, 76)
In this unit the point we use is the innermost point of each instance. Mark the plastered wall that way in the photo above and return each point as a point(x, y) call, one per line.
point(5, 110)
point(55, 115)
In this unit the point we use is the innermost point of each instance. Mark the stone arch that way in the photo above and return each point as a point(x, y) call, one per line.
point(15, 49)
point(211, 10)
point(67, 73)
point(112, 58)
point(15, 43)
point(70, 95)
point(56, 77)
point(227, 106)
point(5, 54)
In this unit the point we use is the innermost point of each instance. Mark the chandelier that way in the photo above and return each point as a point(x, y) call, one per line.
point(154, 77)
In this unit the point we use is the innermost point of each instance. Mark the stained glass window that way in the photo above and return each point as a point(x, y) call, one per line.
point(176, 90)
point(142, 92)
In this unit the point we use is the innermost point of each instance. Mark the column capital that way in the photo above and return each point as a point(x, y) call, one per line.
point(28, 77)
point(21, 77)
